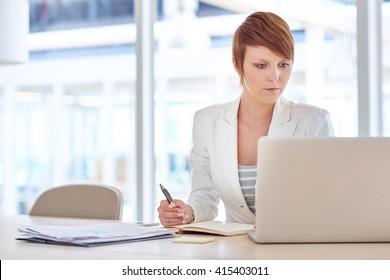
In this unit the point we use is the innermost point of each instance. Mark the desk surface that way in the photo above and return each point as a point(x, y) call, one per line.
point(235, 247)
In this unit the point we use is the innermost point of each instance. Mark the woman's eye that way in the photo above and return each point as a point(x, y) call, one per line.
point(285, 64)
point(260, 65)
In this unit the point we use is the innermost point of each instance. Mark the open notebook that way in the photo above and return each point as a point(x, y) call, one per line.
point(323, 190)
point(216, 227)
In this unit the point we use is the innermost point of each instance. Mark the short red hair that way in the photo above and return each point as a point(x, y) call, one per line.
point(262, 29)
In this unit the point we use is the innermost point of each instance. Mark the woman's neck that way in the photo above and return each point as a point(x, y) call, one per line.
point(253, 112)
point(254, 120)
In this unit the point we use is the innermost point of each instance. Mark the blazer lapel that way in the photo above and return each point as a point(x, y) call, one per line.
point(227, 131)
point(282, 124)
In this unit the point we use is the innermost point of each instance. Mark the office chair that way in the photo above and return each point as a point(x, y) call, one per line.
point(80, 201)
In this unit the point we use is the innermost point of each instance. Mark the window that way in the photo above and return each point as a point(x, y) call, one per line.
point(193, 74)
point(69, 114)
point(1, 146)
point(386, 67)
point(32, 144)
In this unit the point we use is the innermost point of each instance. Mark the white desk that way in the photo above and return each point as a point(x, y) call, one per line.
point(236, 247)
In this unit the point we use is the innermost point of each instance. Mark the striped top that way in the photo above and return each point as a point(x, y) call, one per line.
point(247, 176)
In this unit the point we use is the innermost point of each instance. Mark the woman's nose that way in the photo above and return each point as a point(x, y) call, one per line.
point(273, 74)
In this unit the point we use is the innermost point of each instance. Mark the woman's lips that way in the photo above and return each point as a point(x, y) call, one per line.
point(272, 90)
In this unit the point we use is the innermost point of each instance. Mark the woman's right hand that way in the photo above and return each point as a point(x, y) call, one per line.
point(170, 213)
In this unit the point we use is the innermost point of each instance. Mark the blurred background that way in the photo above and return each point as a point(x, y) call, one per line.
point(70, 113)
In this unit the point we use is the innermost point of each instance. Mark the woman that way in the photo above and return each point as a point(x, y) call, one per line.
point(225, 136)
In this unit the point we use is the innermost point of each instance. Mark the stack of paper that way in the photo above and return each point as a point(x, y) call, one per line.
point(92, 234)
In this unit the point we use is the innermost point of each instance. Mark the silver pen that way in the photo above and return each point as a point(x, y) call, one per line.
point(169, 198)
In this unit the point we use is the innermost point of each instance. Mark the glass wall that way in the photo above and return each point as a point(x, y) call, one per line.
point(68, 14)
point(71, 108)
point(386, 67)
point(210, 79)
point(1, 147)
point(195, 73)
point(73, 122)
point(32, 143)
point(81, 131)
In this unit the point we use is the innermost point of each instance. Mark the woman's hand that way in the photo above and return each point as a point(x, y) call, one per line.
point(170, 213)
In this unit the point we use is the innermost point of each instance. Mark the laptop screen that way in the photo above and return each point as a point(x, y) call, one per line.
point(323, 190)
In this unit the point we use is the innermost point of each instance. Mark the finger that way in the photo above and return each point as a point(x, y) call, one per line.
point(174, 213)
point(178, 203)
point(164, 203)
point(166, 206)
point(171, 222)
point(169, 213)
point(171, 217)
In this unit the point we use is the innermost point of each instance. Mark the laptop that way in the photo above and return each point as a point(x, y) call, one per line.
point(312, 190)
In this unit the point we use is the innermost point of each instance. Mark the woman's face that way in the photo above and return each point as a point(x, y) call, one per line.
point(265, 74)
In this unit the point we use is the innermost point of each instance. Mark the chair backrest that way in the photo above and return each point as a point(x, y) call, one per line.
point(80, 201)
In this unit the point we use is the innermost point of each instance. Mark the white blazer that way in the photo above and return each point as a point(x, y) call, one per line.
point(214, 154)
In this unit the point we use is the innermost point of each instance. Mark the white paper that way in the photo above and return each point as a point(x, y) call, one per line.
point(92, 234)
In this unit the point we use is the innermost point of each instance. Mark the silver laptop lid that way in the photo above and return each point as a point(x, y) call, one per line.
point(323, 190)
